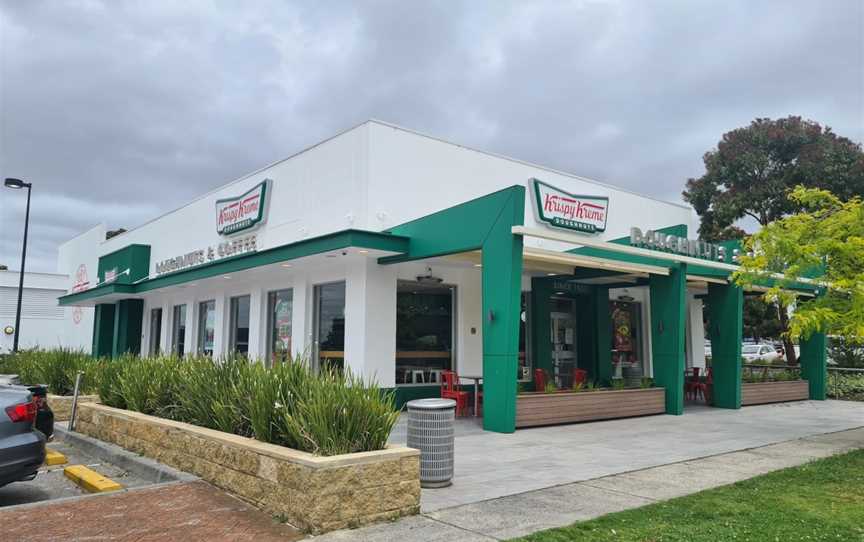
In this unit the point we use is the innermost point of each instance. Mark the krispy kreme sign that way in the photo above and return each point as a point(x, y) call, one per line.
point(556, 207)
point(243, 212)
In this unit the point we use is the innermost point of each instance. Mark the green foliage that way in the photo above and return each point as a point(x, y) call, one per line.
point(765, 374)
point(324, 413)
point(340, 414)
point(826, 240)
point(618, 384)
point(761, 319)
point(578, 386)
point(846, 385)
point(56, 368)
point(591, 386)
point(550, 387)
point(646, 382)
point(846, 353)
point(753, 169)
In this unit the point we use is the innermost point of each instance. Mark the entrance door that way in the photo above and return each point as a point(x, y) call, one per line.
point(563, 325)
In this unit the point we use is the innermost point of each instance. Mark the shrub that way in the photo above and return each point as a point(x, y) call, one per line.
point(325, 413)
point(55, 368)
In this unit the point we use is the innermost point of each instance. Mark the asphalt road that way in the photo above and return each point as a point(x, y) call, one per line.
point(52, 484)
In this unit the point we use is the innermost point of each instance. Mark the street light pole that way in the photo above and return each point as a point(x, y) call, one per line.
point(17, 183)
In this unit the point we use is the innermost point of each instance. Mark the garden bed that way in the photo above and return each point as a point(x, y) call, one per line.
point(314, 493)
point(539, 408)
point(758, 393)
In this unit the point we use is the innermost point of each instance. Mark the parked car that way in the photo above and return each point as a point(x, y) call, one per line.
point(759, 353)
point(22, 446)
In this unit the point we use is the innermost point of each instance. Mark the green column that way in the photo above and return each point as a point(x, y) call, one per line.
point(103, 329)
point(667, 334)
point(502, 281)
point(127, 327)
point(814, 364)
point(725, 317)
point(603, 335)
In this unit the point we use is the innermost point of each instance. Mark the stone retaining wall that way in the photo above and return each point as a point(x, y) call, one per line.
point(316, 494)
point(61, 405)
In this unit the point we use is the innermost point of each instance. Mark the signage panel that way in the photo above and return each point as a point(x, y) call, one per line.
point(243, 212)
point(561, 209)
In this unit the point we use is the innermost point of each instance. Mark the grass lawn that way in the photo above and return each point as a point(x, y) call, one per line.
point(822, 500)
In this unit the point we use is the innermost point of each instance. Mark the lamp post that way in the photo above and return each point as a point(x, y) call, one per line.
point(17, 184)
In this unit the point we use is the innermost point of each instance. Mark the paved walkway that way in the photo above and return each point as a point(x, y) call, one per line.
point(519, 515)
point(492, 465)
point(634, 462)
point(180, 511)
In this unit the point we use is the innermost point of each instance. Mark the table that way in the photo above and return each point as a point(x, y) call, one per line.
point(476, 380)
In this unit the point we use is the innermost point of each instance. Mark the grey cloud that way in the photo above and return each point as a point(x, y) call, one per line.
point(118, 111)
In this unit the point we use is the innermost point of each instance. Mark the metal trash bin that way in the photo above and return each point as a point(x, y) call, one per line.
point(430, 430)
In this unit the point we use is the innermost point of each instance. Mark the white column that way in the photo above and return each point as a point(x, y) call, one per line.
point(191, 345)
point(220, 325)
point(696, 328)
point(301, 318)
point(257, 324)
point(370, 321)
point(167, 323)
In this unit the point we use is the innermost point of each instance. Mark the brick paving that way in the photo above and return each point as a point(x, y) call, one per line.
point(186, 511)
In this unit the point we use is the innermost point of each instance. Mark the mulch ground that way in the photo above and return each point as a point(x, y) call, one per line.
point(185, 511)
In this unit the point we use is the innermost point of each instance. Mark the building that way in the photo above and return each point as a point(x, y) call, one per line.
point(400, 255)
point(44, 323)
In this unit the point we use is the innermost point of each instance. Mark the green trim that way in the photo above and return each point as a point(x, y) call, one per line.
point(814, 364)
point(135, 258)
point(251, 222)
point(325, 243)
point(99, 291)
point(461, 228)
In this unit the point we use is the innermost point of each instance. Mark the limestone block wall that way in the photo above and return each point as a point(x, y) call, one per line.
point(61, 405)
point(316, 494)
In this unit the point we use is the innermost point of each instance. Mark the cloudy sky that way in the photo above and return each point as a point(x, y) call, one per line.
point(119, 111)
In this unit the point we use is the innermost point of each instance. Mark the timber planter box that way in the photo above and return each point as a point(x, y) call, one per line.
point(533, 409)
point(314, 493)
point(758, 393)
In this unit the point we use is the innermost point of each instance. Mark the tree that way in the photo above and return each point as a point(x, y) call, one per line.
point(823, 245)
point(761, 319)
point(753, 170)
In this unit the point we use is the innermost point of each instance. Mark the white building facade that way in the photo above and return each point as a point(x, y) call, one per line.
point(380, 250)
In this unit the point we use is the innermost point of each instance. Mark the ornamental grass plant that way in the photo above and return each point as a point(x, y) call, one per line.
point(324, 412)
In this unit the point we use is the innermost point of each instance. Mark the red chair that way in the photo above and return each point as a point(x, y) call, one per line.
point(539, 380)
point(450, 390)
point(580, 376)
point(691, 386)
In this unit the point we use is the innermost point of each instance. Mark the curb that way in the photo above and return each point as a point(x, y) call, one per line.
point(141, 466)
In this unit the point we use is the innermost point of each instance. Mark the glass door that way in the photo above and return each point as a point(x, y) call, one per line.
point(563, 326)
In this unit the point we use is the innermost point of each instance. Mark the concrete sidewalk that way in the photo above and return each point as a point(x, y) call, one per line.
point(492, 465)
point(827, 432)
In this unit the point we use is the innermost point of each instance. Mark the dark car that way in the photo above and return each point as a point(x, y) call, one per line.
point(22, 446)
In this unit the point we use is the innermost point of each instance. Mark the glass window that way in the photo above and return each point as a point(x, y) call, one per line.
point(627, 359)
point(424, 332)
point(330, 324)
point(240, 325)
point(178, 331)
point(280, 309)
point(206, 327)
point(155, 331)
